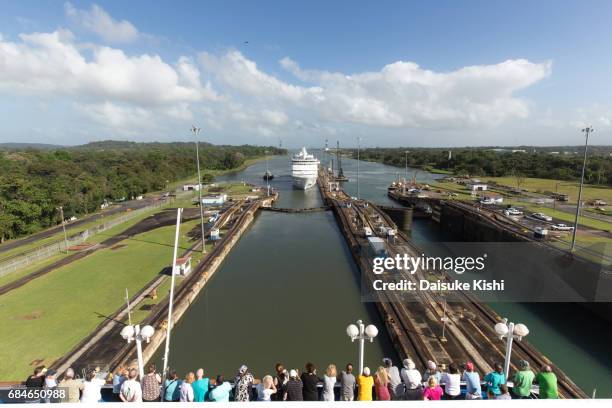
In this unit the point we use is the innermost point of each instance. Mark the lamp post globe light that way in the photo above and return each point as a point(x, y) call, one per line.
point(510, 331)
point(362, 333)
point(135, 332)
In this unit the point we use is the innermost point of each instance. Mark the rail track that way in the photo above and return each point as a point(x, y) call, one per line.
point(416, 326)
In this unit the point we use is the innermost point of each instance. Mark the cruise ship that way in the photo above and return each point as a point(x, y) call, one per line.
point(304, 168)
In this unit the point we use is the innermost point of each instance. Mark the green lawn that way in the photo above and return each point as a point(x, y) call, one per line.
point(566, 217)
point(29, 269)
point(47, 317)
point(589, 191)
point(117, 229)
point(60, 235)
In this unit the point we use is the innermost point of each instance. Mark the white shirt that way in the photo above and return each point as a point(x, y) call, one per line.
point(328, 390)
point(91, 391)
point(186, 392)
point(131, 391)
point(266, 395)
point(452, 383)
point(411, 377)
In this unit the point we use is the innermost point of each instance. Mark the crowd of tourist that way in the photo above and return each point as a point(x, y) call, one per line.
point(388, 382)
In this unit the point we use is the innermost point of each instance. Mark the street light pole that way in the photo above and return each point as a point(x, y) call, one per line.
point(196, 132)
point(358, 148)
point(268, 173)
point(510, 331)
point(406, 169)
point(171, 299)
point(587, 130)
point(64, 228)
point(362, 333)
point(130, 333)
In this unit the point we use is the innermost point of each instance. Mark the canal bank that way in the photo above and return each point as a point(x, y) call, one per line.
point(574, 340)
point(285, 293)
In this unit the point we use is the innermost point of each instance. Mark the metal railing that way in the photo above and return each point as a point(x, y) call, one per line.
point(41, 253)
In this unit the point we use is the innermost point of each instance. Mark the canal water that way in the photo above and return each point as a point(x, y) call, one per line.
point(289, 288)
point(285, 293)
point(574, 338)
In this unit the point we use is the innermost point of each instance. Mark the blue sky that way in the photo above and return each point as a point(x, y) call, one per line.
point(427, 73)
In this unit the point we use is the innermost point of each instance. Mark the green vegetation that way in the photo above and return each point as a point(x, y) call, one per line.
point(34, 183)
point(486, 162)
point(45, 318)
point(539, 185)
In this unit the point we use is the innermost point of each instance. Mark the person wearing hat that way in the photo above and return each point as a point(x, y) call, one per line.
point(472, 382)
point(523, 380)
point(365, 382)
point(294, 387)
point(412, 380)
point(243, 383)
point(394, 378)
point(432, 370)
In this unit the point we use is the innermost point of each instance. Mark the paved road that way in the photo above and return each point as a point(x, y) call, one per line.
point(133, 204)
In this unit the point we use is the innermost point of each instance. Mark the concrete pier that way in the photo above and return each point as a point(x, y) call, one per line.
point(105, 348)
point(416, 327)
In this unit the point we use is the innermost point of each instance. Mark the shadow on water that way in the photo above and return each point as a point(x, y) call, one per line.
point(575, 338)
point(288, 290)
point(285, 293)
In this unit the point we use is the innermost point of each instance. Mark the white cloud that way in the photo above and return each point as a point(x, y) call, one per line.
point(51, 63)
point(117, 117)
point(596, 115)
point(102, 24)
point(401, 94)
point(232, 95)
point(236, 71)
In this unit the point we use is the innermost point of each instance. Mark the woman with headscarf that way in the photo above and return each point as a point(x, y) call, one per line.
point(432, 370)
point(395, 380)
point(412, 380)
point(243, 383)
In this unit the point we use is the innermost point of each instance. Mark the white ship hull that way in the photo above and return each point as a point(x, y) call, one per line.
point(304, 169)
point(304, 183)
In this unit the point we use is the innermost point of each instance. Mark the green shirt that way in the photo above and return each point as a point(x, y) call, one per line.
point(548, 385)
point(522, 383)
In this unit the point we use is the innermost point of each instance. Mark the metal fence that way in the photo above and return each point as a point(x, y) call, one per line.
point(41, 253)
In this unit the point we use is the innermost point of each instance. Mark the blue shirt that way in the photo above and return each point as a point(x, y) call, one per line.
point(221, 392)
point(472, 382)
point(200, 390)
point(118, 380)
point(494, 380)
point(173, 392)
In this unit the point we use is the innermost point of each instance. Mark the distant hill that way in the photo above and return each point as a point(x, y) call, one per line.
point(39, 146)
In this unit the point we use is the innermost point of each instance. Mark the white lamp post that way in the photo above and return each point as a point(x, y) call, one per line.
point(362, 333)
point(130, 333)
point(510, 331)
